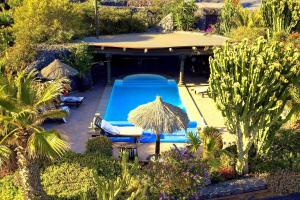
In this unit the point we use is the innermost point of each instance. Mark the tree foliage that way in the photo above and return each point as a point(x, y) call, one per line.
point(184, 14)
point(47, 21)
point(116, 21)
point(249, 83)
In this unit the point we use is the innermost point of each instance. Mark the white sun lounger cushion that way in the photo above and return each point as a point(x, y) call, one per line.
point(106, 126)
point(123, 131)
point(130, 131)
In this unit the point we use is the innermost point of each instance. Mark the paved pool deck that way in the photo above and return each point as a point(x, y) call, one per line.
point(76, 129)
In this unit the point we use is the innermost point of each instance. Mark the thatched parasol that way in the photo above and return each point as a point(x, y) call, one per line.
point(58, 69)
point(159, 117)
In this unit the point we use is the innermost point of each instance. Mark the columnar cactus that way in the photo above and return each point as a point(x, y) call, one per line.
point(281, 15)
point(249, 83)
point(229, 13)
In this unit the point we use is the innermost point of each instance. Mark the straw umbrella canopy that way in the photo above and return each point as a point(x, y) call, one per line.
point(159, 117)
point(58, 69)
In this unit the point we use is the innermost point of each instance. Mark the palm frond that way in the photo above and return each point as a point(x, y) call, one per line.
point(54, 114)
point(8, 104)
point(24, 84)
point(5, 153)
point(50, 91)
point(194, 140)
point(47, 144)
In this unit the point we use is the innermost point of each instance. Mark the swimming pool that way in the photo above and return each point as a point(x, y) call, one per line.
point(135, 90)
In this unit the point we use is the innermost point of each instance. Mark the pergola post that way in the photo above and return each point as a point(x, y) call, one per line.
point(108, 68)
point(181, 73)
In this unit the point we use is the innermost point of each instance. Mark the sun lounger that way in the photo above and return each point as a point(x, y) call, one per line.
point(71, 100)
point(115, 131)
point(127, 134)
point(64, 108)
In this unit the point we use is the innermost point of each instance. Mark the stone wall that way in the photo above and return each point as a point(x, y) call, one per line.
point(47, 53)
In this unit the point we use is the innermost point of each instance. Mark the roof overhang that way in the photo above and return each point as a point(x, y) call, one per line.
point(172, 43)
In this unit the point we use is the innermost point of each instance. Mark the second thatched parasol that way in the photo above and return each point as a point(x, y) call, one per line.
point(58, 69)
point(159, 117)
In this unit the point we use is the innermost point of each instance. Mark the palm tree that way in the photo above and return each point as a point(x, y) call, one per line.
point(22, 99)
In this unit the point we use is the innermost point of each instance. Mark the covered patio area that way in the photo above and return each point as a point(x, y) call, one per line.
point(178, 45)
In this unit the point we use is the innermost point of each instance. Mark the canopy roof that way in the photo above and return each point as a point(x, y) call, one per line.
point(157, 40)
point(172, 43)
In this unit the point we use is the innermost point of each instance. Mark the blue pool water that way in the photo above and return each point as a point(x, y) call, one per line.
point(135, 90)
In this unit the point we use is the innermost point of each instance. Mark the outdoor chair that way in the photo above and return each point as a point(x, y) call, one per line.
point(201, 90)
point(71, 100)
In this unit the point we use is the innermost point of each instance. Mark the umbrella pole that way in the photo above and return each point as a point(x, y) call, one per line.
point(157, 145)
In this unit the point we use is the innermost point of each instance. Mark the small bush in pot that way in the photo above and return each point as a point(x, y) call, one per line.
point(101, 144)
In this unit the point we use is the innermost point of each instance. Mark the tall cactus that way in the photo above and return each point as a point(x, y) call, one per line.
point(281, 15)
point(249, 83)
point(229, 15)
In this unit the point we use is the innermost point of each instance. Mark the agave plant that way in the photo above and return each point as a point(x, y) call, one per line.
point(22, 99)
point(194, 141)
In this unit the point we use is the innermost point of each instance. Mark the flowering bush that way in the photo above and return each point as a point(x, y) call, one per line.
point(178, 174)
point(227, 172)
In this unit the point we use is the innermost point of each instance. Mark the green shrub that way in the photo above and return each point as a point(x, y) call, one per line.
point(74, 173)
point(283, 153)
point(67, 180)
point(115, 21)
point(6, 38)
point(129, 185)
point(81, 59)
point(101, 144)
point(178, 175)
point(242, 32)
point(235, 18)
point(19, 56)
point(283, 182)
point(104, 166)
point(9, 190)
point(5, 17)
point(184, 14)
